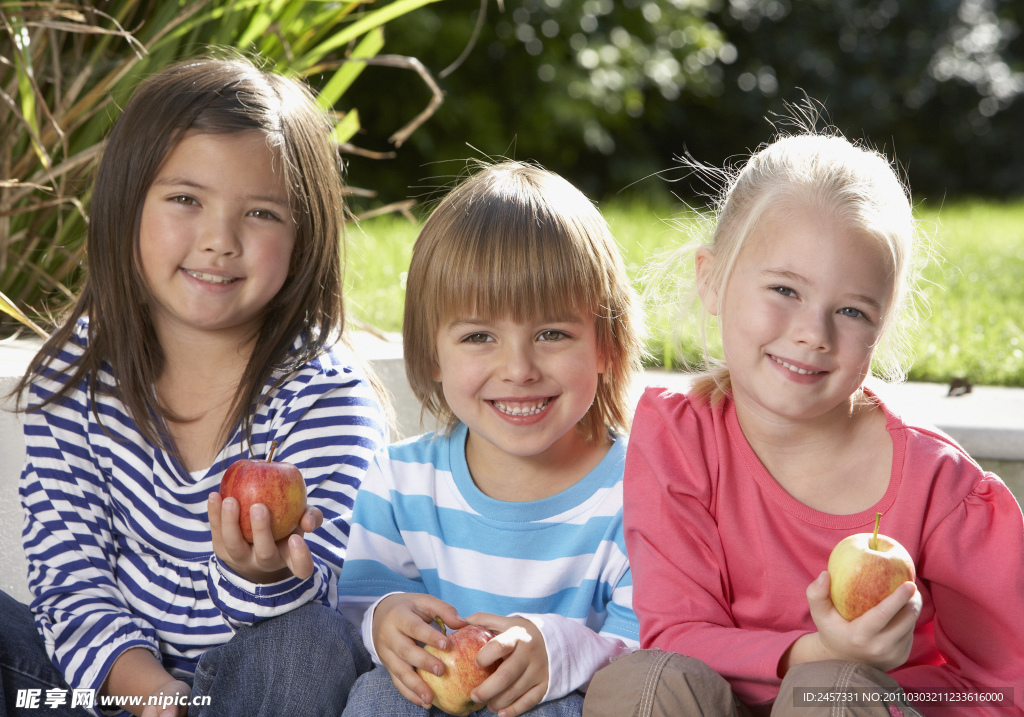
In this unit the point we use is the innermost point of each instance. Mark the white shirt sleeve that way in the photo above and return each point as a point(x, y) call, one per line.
point(575, 652)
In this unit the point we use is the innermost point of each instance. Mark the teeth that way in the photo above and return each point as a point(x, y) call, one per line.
point(210, 278)
point(522, 409)
point(793, 368)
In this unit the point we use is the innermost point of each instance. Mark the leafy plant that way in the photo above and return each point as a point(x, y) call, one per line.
point(65, 68)
point(609, 92)
point(571, 83)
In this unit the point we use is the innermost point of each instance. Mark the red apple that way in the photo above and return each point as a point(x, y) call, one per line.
point(461, 676)
point(866, 568)
point(276, 484)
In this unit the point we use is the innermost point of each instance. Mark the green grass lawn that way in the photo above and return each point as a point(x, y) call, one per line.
point(974, 282)
point(976, 288)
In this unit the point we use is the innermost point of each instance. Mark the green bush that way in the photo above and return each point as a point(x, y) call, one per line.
point(607, 92)
point(64, 70)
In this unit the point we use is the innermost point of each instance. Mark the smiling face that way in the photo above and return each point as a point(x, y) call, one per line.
point(216, 235)
point(803, 309)
point(520, 387)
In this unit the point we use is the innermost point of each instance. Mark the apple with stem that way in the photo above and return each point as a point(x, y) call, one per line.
point(866, 568)
point(462, 675)
point(275, 484)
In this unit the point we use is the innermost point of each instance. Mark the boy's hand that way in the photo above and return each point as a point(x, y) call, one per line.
point(881, 637)
point(264, 561)
point(521, 680)
point(400, 623)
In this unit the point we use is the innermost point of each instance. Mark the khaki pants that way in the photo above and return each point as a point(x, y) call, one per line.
point(652, 683)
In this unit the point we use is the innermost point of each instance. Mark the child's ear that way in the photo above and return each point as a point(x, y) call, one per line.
point(704, 264)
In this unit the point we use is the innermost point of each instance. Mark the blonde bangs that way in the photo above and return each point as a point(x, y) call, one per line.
point(508, 266)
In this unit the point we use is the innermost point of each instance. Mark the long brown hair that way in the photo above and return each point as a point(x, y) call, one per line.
point(210, 96)
point(515, 240)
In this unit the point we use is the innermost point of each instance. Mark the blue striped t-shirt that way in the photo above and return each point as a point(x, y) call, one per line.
point(116, 531)
point(420, 524)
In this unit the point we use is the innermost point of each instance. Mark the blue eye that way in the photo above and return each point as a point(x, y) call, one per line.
point(783, 290)
point(852, 313)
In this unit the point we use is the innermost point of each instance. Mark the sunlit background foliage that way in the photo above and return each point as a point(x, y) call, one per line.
point(608, 92)
point(605, 92)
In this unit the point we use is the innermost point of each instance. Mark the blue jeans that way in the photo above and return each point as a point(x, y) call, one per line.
point(374, 694)
point(300, 664)
point(25, 666)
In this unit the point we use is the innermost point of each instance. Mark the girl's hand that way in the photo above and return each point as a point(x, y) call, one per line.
point(521, 680)
point(881, 637)
point(168, 690)
point(400, 623)
point(136, 673)
point(264, 561)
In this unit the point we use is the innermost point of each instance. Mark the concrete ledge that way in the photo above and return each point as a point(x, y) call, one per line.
point(384, 354)
point(988, 423)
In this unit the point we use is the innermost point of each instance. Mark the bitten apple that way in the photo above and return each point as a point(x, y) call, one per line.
point(276, 484)
point(866, 568)
point(461, 676)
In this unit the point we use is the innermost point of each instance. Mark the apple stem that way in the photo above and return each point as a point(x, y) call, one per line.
point(273, 447)
point(874, 538)
point(440, 624)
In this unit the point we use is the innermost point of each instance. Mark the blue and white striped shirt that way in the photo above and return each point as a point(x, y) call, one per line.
point(116, 531)
point(420, 524)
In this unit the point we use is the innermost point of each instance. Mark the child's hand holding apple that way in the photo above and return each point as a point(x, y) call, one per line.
point(881, 637)
point(258, 518)
point(454, 689)
point(521, 679)
point(865, 605)
point(403, 624)
point(515, 657)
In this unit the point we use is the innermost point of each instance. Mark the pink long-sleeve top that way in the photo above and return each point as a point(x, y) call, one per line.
point(722, 555)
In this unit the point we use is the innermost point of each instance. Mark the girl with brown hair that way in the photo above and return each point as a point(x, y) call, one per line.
point(209, 327)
